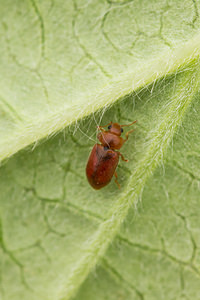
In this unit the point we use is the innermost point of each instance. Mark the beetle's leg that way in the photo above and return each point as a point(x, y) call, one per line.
point(110, 151)
point(122, 157)
point(116, 181)
point(127, 134)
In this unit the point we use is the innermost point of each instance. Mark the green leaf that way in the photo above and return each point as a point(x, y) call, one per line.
point(62, 61)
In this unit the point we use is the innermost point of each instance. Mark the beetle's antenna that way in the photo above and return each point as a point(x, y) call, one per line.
point(128, 124)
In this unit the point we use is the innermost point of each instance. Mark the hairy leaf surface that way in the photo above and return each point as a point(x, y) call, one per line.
point(64, 63)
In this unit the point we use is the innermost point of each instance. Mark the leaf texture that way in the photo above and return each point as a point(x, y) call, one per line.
point(67, 63)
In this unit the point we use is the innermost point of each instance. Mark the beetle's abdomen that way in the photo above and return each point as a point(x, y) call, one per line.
point(101, 166)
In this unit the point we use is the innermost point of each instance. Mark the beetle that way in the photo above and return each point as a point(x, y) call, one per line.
point(104, 158)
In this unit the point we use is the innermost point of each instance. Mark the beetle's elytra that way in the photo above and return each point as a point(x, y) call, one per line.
point(104, 158)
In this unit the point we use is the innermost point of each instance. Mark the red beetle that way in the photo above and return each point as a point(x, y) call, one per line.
point(104, 158)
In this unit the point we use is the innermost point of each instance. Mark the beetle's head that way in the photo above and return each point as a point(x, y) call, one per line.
point(115, 128)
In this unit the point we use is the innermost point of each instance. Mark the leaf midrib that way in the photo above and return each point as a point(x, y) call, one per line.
point(159, 141)
point(35, 130)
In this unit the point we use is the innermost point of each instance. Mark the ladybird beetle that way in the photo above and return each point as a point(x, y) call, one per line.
point(104, 158)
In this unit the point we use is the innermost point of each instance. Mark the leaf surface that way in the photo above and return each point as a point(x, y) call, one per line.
point(63, 61)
